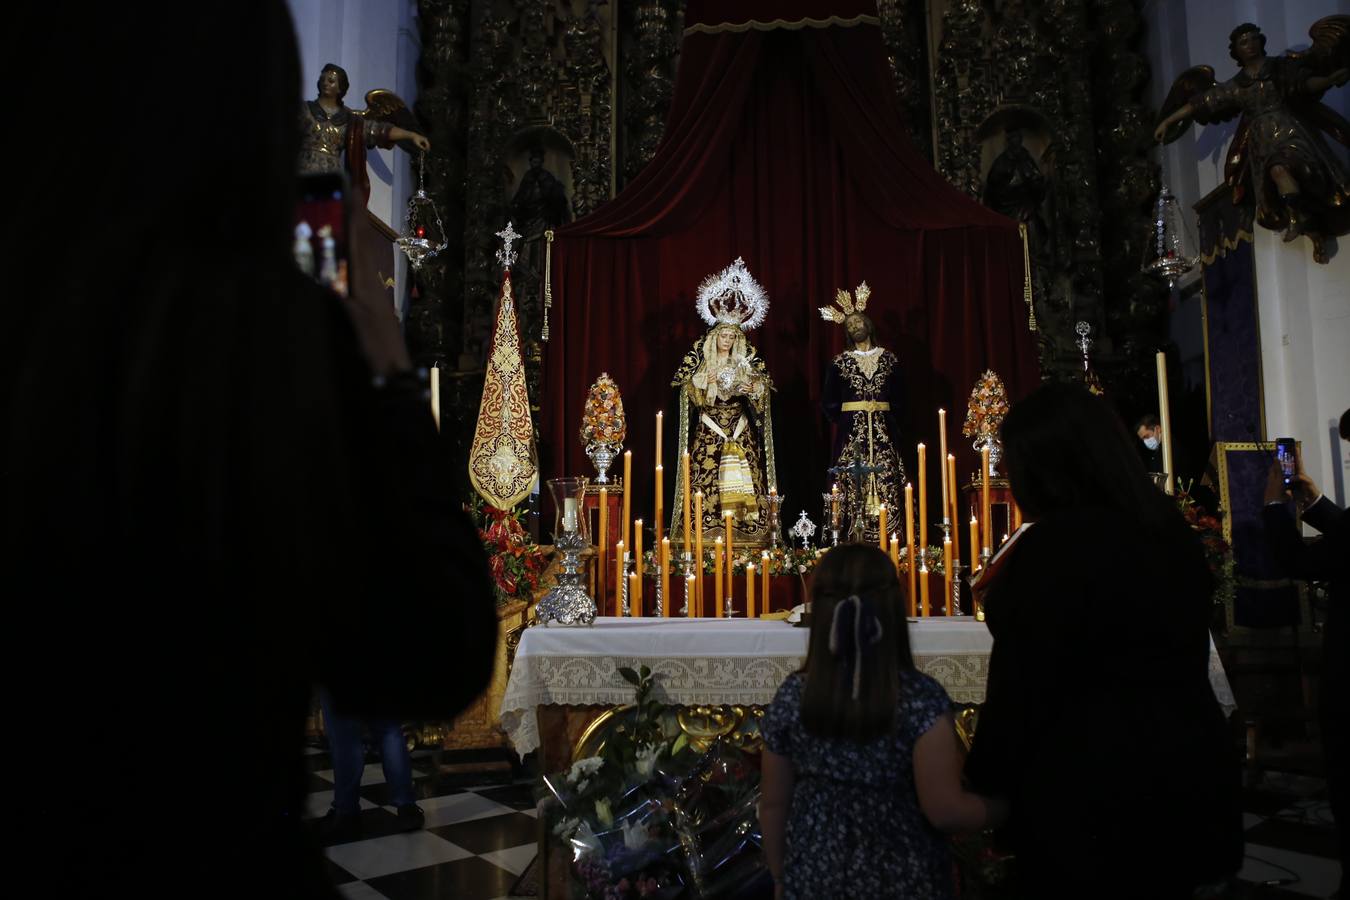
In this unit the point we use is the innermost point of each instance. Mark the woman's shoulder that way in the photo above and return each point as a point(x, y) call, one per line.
point(924, 690)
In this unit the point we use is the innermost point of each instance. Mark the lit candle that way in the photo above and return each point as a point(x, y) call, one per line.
point(947, 575)
point(974, 543)
point(633, 583)
point(627, 496)
point(923, 497)
point(660, 493)
point(956, 514)
point(895, 554)
point(1017, 516)
point(569, 514)
point(731, 564)
point(618, 578)
point(603, 553)
point(925, 607)
point(435, 376)
point(656, 540)
point(909, 546)
point(946, 491)
point(881, 527)
point(698, 549)
point(764, 578)
point(691, 595)
point(718, 587)
point(749, 590)
point(984, 500)
point(684, 484)
point(635, 599)
point(1164, 419)
point(834, 507)
point(665, 577)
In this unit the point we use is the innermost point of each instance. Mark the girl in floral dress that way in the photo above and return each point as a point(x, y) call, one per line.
point(862, 765)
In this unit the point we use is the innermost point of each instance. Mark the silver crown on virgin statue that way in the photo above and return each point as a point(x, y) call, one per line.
point(733, 297)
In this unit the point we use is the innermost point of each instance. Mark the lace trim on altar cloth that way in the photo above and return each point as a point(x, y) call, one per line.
point(831, 22)
point(716, 680)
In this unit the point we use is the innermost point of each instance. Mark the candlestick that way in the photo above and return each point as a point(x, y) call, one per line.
point(620, 562)
point(942, 458)
point(684, 493)
point(764, 578)
point(602, 554)
point(731, 559)
point(1165, 420)
point(698, 550)
point(923, 497)
point(665, 577)
point(984, 501)
point(881, 527)
point(974, 544)
point(947, 574)
point(718, 587)
point(925, 607)
point(749, 590)
point(435, 376)
point(637, 566)
point(627, 496)
point(909, 547)
point(660, 478)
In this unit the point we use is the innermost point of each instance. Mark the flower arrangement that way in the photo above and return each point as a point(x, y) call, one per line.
point(1218, 553)
point(651, 815)
point(516, 562)
point(602, 419)
point(988, 406)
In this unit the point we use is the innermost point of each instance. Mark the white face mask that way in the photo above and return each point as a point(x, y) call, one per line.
point(1151, 443)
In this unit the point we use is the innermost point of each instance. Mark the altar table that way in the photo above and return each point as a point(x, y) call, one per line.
point(718, 661)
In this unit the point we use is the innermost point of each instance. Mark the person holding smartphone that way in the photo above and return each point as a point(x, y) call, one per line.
point(1324, 559)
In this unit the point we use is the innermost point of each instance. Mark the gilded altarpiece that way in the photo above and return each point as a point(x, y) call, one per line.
point(1058, 83)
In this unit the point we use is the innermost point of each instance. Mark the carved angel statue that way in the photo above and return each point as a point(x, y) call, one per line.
point(331, 133)
point(1278, 152)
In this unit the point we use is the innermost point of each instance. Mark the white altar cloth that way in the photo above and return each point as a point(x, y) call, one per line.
point(719, 661)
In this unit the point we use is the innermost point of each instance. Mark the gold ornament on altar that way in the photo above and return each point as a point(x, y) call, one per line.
point(503, 464)
point(848, 304)
point(603, 426)
point(988, 406)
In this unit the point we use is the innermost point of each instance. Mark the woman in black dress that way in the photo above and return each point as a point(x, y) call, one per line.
point(1099, 720)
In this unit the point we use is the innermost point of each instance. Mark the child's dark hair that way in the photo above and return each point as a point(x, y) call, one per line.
point(859, 645)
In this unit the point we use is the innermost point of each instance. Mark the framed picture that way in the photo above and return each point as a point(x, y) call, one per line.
point(1264, 597)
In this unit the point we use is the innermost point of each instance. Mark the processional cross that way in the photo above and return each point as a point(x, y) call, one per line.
point(507, 256)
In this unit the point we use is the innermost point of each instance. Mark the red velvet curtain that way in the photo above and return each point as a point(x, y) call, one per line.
point(783, 146)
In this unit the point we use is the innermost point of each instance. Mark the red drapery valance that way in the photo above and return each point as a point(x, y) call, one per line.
point(783, 146)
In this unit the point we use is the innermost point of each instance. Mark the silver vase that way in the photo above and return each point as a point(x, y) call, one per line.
point(995, 450)
point(602, 454)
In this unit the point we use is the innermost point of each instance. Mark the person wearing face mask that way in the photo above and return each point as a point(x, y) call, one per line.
point(1149, 431)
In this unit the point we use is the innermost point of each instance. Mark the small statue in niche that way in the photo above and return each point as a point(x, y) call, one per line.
point(540, 202)
point(1278, 156)
point(1015, 185)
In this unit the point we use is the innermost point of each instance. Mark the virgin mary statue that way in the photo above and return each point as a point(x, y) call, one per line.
point(725, 419)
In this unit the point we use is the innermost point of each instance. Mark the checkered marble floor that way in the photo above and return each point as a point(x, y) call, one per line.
point(1290, 838)
point(477, 839)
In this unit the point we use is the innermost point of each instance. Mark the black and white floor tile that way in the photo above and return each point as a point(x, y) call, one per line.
point(481, 835)
point(477, 840)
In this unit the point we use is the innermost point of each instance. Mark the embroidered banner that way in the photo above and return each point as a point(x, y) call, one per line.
point(503, 461)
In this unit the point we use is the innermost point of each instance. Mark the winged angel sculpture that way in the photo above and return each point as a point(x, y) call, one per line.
point(1278, 156)
point(330, 132)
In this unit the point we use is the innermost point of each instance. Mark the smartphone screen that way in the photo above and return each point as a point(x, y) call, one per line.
point(1285, 453)
point(321, 237)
